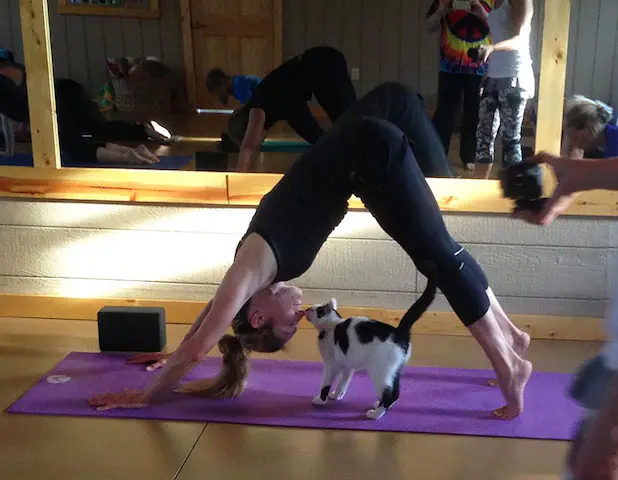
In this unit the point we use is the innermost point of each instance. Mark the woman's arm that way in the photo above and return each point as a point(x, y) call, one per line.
point(254, 136)
point(478, 10)
point(253, 269)
point(438, 10)
point(520, 16)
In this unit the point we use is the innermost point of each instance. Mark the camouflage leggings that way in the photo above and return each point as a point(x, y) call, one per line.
point(500, 107)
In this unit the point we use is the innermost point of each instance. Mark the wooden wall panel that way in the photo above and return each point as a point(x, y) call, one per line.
point(352, 36)
point(6, 30)
point(390, 33)
point(77, 49)
point(57, 248)
point(605, 49)
point(409, 44)
point(385, 39)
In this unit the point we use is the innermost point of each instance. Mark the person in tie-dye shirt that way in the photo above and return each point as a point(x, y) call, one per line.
point(460, 76)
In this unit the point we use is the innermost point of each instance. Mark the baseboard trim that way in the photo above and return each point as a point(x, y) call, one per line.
point(185, 312)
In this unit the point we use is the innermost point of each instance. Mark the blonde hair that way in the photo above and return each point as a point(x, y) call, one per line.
point(232, 378)
point(583, 112)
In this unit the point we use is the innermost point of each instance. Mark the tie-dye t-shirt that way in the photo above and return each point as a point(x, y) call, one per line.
point(460, 31)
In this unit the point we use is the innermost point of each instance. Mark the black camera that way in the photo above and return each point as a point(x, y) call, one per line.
point(523, 182)
point(473, 53)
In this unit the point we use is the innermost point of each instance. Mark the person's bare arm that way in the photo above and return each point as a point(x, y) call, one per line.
point(478, 10)
point(252, 141)
point(253, 269)
point(434, 20)
point(157, 359)
point(520, 16)
point(568, 150)
point(574, 176)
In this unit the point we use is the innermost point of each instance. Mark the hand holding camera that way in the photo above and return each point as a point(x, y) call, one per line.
point(481, 53)
point(571, 175)
point(523, 182)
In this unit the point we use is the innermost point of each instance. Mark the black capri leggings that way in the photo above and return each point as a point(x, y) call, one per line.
point(403, 106)
point(325, 71)
point(371, 158)
point(387, 178)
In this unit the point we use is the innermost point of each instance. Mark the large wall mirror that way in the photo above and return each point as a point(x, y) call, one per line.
point(135, 75)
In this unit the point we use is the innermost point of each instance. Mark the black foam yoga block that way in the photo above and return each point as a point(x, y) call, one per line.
point(131, 329)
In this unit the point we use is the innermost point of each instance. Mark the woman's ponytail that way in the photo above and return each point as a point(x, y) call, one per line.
point(231, 380)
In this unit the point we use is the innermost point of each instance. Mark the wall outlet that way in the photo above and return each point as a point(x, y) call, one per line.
point(355, 74)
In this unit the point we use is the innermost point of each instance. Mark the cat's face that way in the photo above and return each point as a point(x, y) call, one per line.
point(321, 316)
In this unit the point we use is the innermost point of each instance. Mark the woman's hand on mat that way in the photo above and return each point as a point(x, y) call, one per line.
point(154, 361)
point(126, 399)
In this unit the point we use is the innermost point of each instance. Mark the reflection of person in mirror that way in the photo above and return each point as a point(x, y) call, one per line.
point(509, 83)
point(590, 128)
point(590, 131)
point(282, 95)
point(78, 116)
point(594, 452)
point(373, 159)
point(463, 25)
point(222, 86)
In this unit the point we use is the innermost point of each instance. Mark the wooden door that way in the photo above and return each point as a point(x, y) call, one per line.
point(239, 36)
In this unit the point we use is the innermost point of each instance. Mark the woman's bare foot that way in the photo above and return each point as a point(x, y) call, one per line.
point(512, 387)
point(520, 344)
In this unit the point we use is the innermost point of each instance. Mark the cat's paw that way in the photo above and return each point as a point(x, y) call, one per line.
point(377, 404)
point(376, 413)
point(336, 395)
point(317, 400)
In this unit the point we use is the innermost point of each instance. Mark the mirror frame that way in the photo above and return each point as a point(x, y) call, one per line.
point(48, 180)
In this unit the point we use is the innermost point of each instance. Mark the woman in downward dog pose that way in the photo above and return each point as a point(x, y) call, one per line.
point(371, 158)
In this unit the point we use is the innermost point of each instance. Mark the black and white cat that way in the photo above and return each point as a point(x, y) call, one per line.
point(360, 343)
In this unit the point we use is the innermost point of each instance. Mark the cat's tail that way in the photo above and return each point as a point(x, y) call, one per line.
point(422, 304)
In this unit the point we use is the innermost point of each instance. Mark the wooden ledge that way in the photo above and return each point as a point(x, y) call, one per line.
point(118, 185)
point(244, 189)
point(185, 312)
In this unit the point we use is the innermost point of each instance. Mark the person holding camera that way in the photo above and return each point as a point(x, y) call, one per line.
point(463, 25)
point(509, 83)
point(590, 132)
point(594, 451)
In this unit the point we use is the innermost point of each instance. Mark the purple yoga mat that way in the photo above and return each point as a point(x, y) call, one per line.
point(279, 393)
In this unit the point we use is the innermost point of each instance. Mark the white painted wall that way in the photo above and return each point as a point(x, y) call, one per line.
point(130, 251)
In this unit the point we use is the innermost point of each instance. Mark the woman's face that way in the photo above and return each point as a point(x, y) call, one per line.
point(581, 138)
point(279, 306)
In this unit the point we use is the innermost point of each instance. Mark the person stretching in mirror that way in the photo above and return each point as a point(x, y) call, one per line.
point(283, 95)
point(77, 115)
point(372, 159)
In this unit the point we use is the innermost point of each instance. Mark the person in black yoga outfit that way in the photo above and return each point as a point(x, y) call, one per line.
point(77, 115)
point(403, 106)
point(283, 95)
point(371, 158)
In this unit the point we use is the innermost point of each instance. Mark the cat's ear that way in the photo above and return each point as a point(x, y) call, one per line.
point(333, 303)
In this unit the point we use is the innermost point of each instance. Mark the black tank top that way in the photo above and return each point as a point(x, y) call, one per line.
point(296, 217)
point(281, 91)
